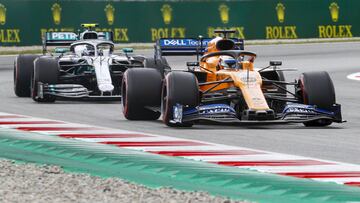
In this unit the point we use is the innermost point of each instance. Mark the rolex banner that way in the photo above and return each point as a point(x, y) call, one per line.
point(23, 22)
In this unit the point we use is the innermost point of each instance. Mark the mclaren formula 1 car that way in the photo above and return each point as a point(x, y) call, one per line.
point(223, 86)
point(82, 66)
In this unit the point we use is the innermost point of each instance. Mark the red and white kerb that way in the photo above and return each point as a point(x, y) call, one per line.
point(262, 161)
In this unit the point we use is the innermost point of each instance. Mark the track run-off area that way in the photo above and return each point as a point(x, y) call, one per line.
point(326, 154)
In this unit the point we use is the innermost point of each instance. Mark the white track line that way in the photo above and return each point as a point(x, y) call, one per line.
point(337, 180)
point(255, 157)
point(186, 148)
point(354, 76)
point(311, 168)
point(136, 139)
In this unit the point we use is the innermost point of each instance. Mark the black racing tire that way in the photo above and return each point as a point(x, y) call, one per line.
point(141, 88)
point(46, 70)
point(159, 64)
point(23, 68)
point(179, 88)
point(317, 88)
point(277, 106)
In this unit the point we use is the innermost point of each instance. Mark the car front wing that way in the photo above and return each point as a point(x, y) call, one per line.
point(222, 113)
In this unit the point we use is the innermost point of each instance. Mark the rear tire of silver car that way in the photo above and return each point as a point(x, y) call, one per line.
point(46, 70)
point(23, 68)
point(159, 64)
point(316, 88)
point(179, 88)
point(141, 90)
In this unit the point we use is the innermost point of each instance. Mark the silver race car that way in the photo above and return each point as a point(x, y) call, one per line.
point(82, 66)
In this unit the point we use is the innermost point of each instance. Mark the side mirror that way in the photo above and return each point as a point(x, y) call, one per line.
point(128, 50)
point(275, 63)
point(61, 50)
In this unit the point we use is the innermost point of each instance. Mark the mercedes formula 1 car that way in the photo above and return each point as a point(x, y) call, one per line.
point(82, 66)
point(223, 86)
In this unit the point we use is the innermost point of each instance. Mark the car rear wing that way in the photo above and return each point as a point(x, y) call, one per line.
point(67, 38)
point(58, 39)
point(186, 46)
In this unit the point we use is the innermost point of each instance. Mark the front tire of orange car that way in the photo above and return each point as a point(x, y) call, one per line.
point(179, 88)
point(316, 88)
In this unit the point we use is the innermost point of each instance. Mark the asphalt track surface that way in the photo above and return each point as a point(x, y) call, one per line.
point(339, 142)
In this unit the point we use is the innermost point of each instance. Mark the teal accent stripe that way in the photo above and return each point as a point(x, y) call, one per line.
point(162, 171)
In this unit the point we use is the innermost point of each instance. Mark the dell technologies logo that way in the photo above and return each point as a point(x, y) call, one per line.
point(182, 42)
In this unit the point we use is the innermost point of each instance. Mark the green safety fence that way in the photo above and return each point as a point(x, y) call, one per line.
point(22, 22)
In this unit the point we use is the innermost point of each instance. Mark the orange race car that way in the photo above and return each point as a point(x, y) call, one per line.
point(223, 86)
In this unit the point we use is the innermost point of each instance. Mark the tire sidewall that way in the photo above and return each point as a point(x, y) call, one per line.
point(141, 87)
point(316, 88)
point(23, 69)
point(323, 97)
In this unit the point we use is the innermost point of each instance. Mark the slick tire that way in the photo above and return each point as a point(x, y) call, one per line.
point(317, 88)
point(159, 64)
point(23, 69)
point(46, 70)
point(141, 88)
point(179, 88)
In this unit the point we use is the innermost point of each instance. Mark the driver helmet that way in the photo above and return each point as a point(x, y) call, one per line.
point(227, 62)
